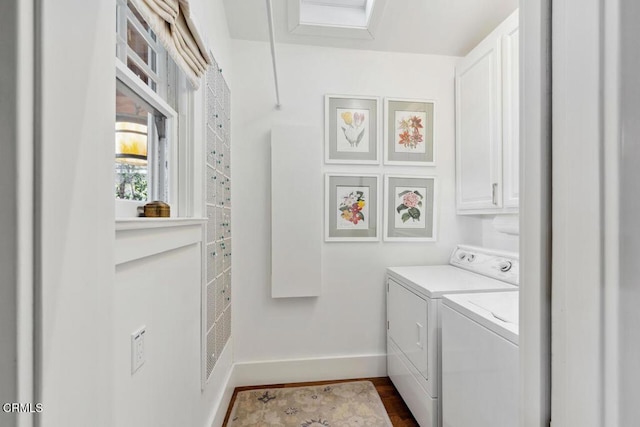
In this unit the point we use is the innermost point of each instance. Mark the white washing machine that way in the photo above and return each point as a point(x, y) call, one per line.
point(480, 360)
point(414, 296)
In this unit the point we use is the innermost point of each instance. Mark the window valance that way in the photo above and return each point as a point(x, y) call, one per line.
point(171, 21)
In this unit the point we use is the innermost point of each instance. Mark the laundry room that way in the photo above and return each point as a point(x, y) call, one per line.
point(315, 150)
point(309, 268)
point(316, 213)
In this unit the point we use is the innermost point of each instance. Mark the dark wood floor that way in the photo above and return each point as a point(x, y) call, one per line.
point(396, 408)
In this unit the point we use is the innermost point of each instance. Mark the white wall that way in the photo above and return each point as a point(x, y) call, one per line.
point(535, 214)
point(577, 213)
point(84, 306)
point(349, 317)
point(211, 19)
point(162, 293)
point(496, 239)
point(76, 212)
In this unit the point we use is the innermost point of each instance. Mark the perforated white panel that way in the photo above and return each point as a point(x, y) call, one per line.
point(211, 356)
point(217, 295)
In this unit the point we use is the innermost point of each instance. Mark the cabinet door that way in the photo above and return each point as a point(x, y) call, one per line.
point(511, 115)
point(479, 128)
point(407, 316)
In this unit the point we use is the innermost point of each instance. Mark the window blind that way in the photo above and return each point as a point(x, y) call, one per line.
point(171, 21)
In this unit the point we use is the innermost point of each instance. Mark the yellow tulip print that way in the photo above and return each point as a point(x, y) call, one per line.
point(347, 117)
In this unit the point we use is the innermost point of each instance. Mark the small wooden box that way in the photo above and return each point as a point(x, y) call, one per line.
point(157, 209)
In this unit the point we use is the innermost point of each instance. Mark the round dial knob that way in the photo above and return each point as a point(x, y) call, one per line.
point(505, 266)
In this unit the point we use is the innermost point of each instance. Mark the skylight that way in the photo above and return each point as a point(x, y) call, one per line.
point(359, 4)
point(336, 13)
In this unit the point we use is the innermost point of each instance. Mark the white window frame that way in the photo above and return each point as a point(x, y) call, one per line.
point(128, 208)
point(124, 15)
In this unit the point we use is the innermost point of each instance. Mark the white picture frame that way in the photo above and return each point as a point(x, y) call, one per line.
point(413, 152)
point(352, 129)
point(410, 208)
point(364, 224)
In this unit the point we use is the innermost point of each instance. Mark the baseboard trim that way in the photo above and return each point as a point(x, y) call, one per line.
point(316, 369)
point(225, 363)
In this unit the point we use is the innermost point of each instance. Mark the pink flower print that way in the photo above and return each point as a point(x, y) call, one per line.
point(411, 200)
point(416, 137)
point(411, 203)
point(358, 118)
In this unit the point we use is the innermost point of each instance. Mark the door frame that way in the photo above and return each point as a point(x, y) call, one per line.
point(535, 213)
point(585, 212)
point(16, 216)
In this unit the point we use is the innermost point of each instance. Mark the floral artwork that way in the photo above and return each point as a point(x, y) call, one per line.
point(352, 208)
point(352, 130)
point(410, 204)
point(409, 207)
point(410, 129)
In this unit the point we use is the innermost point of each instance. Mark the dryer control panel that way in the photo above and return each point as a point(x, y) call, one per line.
point(499, 265)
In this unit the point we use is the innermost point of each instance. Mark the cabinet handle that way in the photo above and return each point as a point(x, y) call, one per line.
point(418, 331)
point(494, 195)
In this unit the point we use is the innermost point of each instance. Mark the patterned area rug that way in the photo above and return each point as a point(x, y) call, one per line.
point(351, 404)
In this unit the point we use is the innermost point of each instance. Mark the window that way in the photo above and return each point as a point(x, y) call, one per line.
point(141, 148)
point(146, 120)
point(137, 47)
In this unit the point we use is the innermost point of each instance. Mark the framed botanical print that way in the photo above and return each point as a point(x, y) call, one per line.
point(410, 208)
point(351, 129)
point(352, 211)
point(409, 132)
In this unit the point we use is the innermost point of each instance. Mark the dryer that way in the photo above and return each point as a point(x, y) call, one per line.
point(414, 297)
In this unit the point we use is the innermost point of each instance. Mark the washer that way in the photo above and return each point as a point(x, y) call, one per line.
point(480, 360)
point(414, 296)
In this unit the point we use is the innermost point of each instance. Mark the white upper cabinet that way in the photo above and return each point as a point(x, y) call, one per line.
point(478, 128)
point(487, 124)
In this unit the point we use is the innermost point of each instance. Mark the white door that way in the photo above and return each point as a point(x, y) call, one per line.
point(407, 316)
point(479, 128)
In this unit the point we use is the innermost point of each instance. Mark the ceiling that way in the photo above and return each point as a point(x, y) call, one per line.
point(439, 27)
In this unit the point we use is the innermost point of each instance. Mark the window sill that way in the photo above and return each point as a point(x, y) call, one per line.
point(123, 224)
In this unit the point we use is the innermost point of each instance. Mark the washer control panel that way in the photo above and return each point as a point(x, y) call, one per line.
point(499, 265)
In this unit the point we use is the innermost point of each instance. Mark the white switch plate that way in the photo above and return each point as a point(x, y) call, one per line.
point(137, 349)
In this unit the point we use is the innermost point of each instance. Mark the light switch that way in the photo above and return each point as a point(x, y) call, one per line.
point(137, 349)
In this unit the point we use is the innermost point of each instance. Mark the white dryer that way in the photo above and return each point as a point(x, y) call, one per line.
point(414, 296)
point(480, 360)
